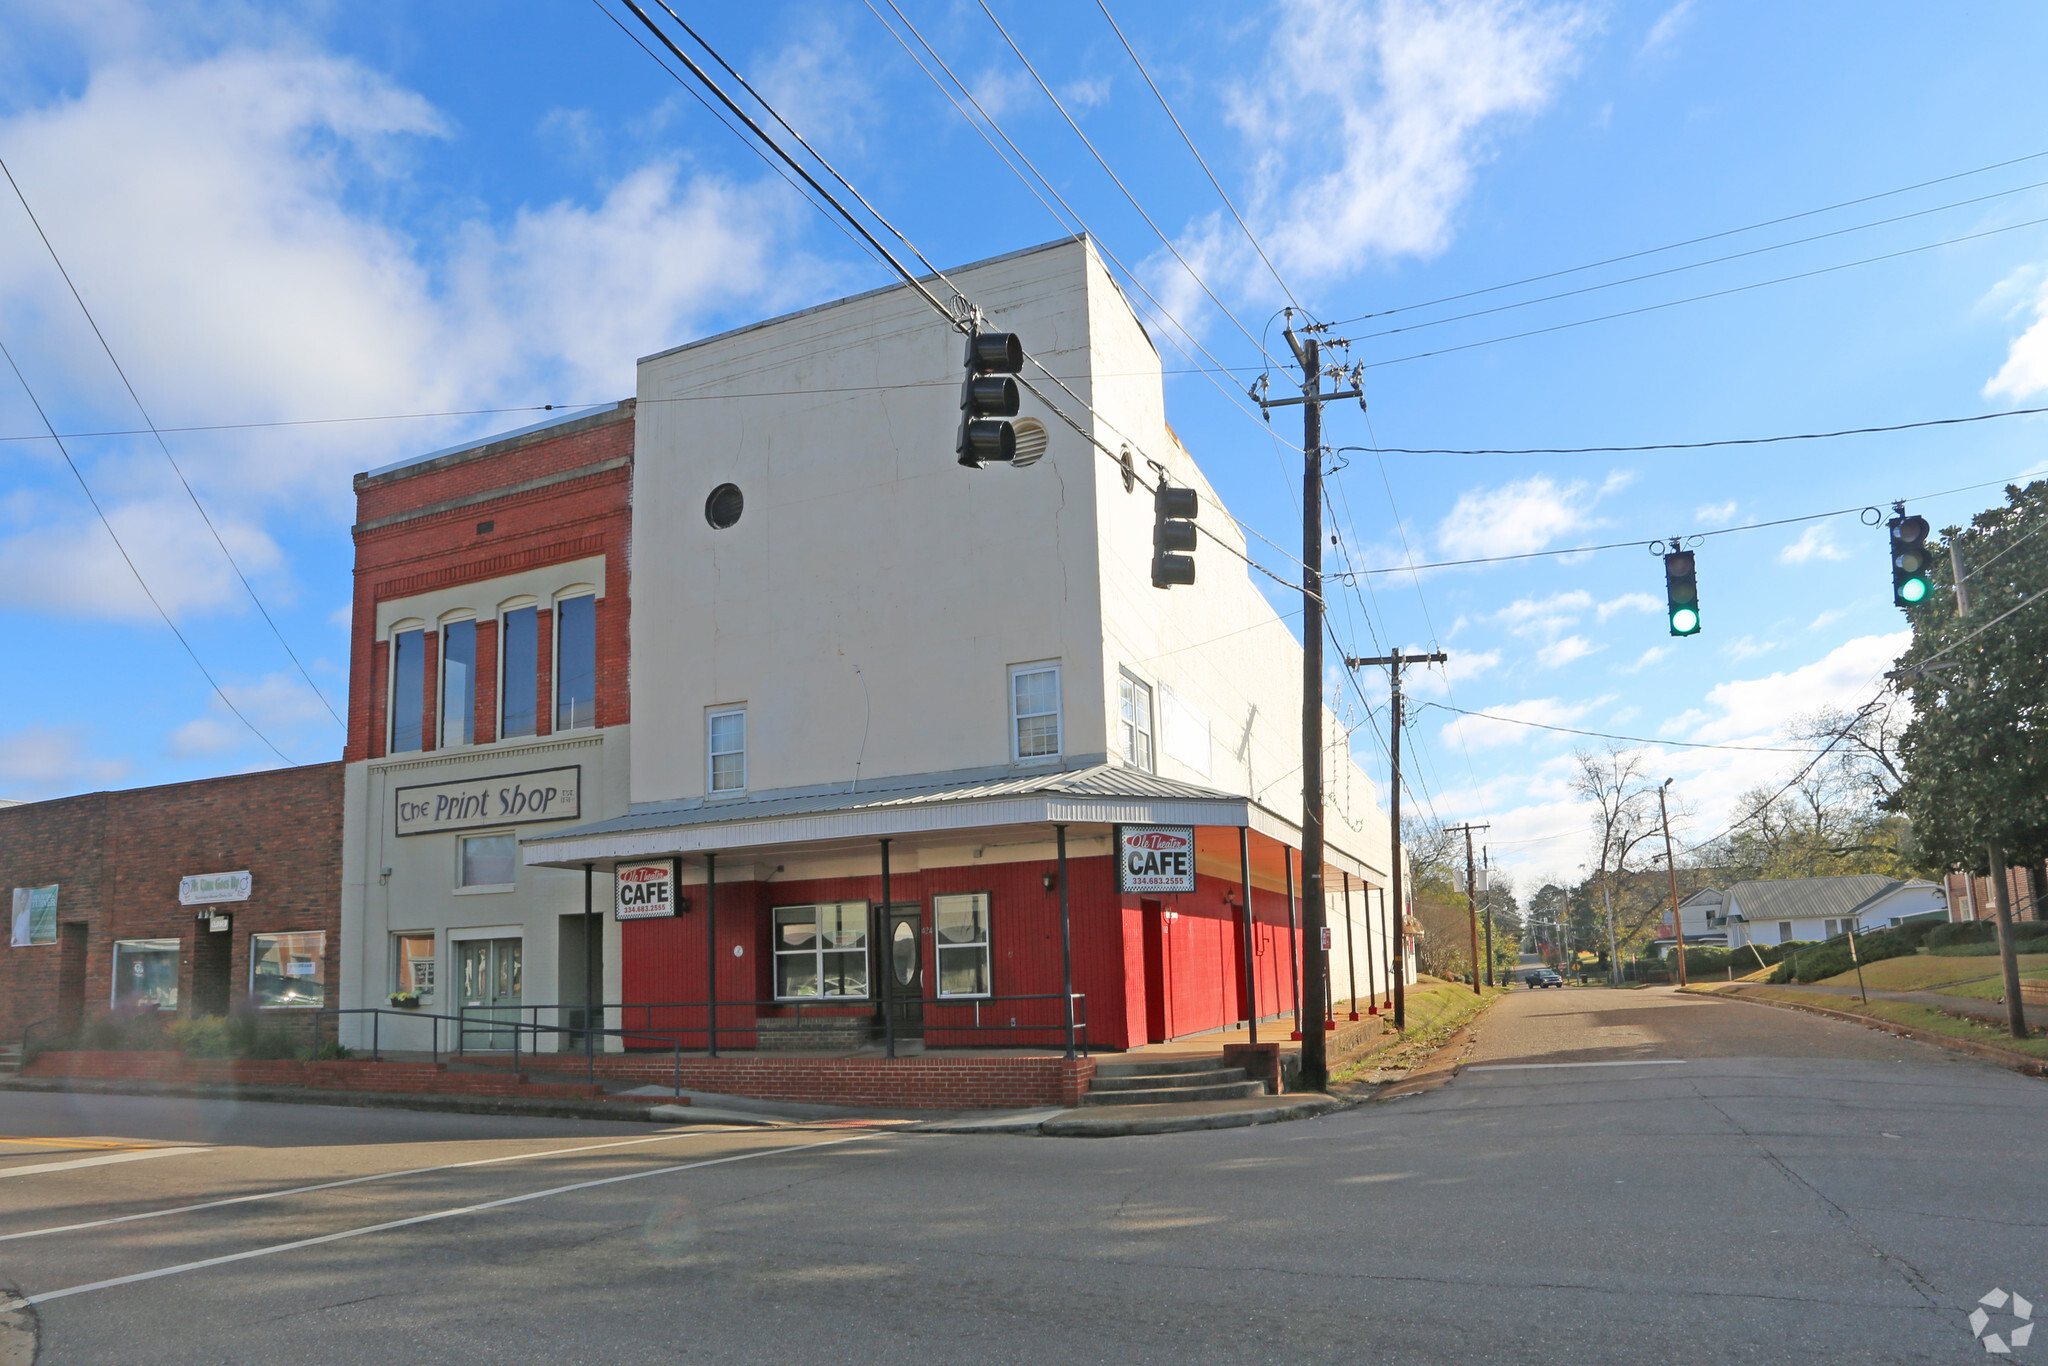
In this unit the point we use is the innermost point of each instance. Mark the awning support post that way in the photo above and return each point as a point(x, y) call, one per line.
point(1350, 950)
point(1066, 938)
point(1293, 937)
point(1244, 876)
point(711, 953)
point(888, 956)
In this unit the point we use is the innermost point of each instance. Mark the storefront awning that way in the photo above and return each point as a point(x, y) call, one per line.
point(1102, 794)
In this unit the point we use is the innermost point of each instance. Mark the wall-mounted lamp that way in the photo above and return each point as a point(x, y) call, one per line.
point(1051, 880)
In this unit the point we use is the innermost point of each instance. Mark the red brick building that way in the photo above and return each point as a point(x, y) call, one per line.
point(192, 897)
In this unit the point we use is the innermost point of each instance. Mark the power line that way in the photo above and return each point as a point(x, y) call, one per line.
point(1695, 241)
point(1712, 294)
point(1727, 441)
point(1811, 764)
point(142, 583)
point(163, 446)
point(1697, 265)
point(1603, 735)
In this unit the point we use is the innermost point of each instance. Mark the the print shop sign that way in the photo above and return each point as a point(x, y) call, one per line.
point(1155, 858)
point(552, 794)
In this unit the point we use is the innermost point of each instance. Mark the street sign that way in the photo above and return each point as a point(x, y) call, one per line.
point(1155, 858)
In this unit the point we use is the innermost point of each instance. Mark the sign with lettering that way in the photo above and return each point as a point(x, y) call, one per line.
point(35, 916)
point(204, 889)
point(645, 891)
point(1155, 858)
point(549, 794)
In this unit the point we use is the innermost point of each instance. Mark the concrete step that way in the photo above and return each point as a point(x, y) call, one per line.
point(1156, 1067)
point(1175, 1095)
point(1149, 1081)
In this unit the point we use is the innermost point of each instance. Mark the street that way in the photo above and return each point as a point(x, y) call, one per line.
point(1617, 1176)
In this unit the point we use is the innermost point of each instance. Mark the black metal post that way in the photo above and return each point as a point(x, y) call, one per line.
point(1350, 951)
point(1372, 991)
point(711, 954)
point(1251, 981)
point(1066, 937)
point(888, 957)
point(589, 992)
point(1293, 937)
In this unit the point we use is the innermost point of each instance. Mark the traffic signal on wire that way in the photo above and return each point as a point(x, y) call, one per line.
point(988, 399)
point(1173, 532)
point(1681, 594)
point(1911, 561)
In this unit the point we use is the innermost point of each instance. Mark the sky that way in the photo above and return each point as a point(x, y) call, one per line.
point(278, 213)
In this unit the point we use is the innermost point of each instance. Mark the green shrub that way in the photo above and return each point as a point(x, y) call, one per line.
point(1813, 963)
point(332, 1051)
point(209, 1036)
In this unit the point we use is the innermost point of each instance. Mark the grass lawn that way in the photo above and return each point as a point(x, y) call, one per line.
point(1917, 1017)
point(1927, 972)
point(1435, 1010)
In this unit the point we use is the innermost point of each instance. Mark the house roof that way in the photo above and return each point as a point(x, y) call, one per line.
point(1705, 896)
point(1099, 793)
point(1814, 897)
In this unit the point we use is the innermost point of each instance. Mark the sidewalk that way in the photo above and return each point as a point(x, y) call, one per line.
point(1992, 1012)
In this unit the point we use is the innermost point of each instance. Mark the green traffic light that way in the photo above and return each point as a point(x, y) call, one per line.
point(1912, 590)
point(1684, 621)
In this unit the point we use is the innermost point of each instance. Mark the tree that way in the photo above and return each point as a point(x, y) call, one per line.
point(1626, 821)
point(1977, 793)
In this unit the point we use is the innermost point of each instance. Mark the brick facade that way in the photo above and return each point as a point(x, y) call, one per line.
point(117, 858)
point(522, 502)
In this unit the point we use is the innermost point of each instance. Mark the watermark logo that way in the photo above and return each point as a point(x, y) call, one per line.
point(2022, 1312)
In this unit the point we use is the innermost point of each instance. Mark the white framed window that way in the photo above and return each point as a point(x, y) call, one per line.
point(413, 963)
point(487, 862)
point(518, 669)
point(1784, 931)
point(821, 951)
point(1034, 712)
point(725, 747)
point(575, 660)
point(1134, 714)
point(458, 683)
point(288, 971)
point(146, 973)
point(960, 927)
point(408, 688)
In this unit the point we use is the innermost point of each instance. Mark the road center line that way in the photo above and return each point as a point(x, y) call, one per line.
point(99, 1161)
point(1545, 1066)
point(346, 1181)
point(7, 1306)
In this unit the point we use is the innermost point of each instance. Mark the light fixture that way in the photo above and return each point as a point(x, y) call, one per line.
point(1050, 880)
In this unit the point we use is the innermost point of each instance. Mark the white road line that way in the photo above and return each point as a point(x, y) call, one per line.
point(8, 1306)
point(350, 1181)
point(100, 1161)
point(1545, 1066)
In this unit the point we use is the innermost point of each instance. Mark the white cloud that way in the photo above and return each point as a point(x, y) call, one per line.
point(1515, 518)
point(1484, 732)
point(279, 705)
point(1847, 676)
point(1559, 653)
point(1004, 89)
point(2025, 372)
point(1629, 602)
point(1666, 30)
point(1646, 659)
point(45, 761)
point(1814, 543)
point(1437, 679)
point(1544, 617)
point(224, 218)
point(1716, 512)
point(1748, 647)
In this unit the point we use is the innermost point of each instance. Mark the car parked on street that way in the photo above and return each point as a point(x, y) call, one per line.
point(1543, 977)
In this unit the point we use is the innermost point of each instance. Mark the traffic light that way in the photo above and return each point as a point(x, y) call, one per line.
point(1911, 562)
point(1681, 593)
point(988, 399)
point(1173, 531)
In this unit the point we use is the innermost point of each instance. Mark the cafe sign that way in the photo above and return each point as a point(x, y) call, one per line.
point(646, 891)
point(548, 794)
point(1155, 858)
point(205, 889)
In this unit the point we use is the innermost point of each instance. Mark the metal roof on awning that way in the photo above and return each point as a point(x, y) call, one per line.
point(1102, 794)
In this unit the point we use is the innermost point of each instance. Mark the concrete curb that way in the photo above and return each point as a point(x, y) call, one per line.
point(1282, 1110)
point(18, 1330)
point(369, 1100)
point(2018, 1062)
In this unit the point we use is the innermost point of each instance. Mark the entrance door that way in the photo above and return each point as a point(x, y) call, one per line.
point(903, 957)
point(490, 991)
point(211, 954)
point(71, 942)
point(574, 984)
point(1154, 918)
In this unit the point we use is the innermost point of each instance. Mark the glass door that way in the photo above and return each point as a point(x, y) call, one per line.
point(904, 953)
point(491, 990)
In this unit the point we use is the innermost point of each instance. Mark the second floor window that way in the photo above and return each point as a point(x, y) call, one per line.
point(519, 648)
point(1134, 710)
point(408, 690)
point(1035, 711)
point(458, 684)
point(575, 663)
point(727, 733)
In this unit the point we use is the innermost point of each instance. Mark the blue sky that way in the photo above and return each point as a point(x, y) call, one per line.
point(282, 212)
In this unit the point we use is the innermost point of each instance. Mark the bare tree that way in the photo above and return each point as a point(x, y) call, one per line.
point(1625, 824)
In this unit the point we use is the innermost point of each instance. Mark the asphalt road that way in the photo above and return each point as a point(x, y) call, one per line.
point(1748, 1184)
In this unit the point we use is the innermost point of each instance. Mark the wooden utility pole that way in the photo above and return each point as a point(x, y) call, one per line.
point(2008, 955)
point(1472, 899)
point(1399, 921)
point(1671, 864)
point(1314, 1060)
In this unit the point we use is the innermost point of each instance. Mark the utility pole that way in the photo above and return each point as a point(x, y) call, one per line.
point(1315, 1070)
point(1472, 899)
point(1399, 921)
point(1486, 862)
point(1671, 865)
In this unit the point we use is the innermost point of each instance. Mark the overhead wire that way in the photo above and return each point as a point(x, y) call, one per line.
point(1603, 735)
point(164, 446)
point(129, 560)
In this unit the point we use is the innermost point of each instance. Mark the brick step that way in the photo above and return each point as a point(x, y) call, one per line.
point(1176, 1095)
point(1155, 1067)
point(1149, 1081)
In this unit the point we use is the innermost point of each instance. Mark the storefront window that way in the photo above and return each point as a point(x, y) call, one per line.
point(416, 964)
point(288, 970)
point(488, 860)
point(146, 973)
point(822, 951)
point(960, 923)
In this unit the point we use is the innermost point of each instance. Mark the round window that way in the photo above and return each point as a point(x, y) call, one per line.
point(724, 506)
